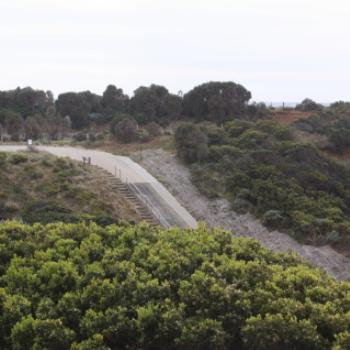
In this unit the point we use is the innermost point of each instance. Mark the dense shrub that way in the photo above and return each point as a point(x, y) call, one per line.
point(191, 143)
point(126, 130)
point(46, 212)
point(308, 105)
point(291, 185)
point(332, 122)
point(153, 129)
point(79, 286)
point(18, 158)
point(216, 101)
point(3, 159)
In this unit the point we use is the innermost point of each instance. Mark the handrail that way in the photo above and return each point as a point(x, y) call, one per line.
point(143, 198)
point(164, 222)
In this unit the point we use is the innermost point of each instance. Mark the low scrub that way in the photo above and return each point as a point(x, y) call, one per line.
point(260, 167)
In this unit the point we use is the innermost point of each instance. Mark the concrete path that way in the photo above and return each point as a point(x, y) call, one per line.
point(152, 193)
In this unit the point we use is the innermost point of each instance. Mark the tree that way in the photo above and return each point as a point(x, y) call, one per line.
point(57, 126)
point(33, 128)
point(14, 125)
point(216, 101)
point(308, 105)
point(154, 103)
point(2, 132)
point(114, 99)
point(126, 130)
point(76, 107)
point(94, 101)
point(191, 143)
point(26, 101)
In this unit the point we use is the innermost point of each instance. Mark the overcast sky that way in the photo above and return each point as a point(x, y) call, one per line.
point(281, 50)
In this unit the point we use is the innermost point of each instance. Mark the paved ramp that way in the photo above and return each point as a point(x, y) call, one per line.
point(148, 189)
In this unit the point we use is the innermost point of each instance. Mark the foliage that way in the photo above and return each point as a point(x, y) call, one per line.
point(47, 118)
point(79, 286)
point(153, 129)
point(191, 143)
point(125, 130)
point(26, 101)
point(333, 122)
point(260, 167)
point(32, 127)
point(14, 125)
point(308, 105)
point(114, 100)
point(46, 212)
point(76, 106)
point(42, 188)
point(216, 101)
point(154, 103)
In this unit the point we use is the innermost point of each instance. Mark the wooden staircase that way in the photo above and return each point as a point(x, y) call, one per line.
point(115, 184)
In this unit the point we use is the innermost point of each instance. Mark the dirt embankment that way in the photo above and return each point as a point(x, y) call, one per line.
point(217, 213)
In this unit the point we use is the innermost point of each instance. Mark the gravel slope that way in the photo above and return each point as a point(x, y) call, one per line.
point(217, 213)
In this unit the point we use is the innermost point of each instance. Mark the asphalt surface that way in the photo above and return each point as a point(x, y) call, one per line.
point(149, 190)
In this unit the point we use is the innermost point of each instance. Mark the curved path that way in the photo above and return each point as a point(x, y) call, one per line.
point(148, 189)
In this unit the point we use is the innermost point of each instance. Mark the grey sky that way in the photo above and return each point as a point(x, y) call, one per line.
point(279, 49)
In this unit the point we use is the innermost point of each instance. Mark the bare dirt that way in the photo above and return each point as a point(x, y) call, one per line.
point(217, 213)
point(289, 116)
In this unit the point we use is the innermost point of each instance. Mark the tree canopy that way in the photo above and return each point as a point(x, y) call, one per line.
point(154, 103)
point(216, 101)
point(76, 106)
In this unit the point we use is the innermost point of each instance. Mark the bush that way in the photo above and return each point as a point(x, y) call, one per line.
point(144, 136)
point(18, 158)
point(292, 185)
point(80, 137)
point(3, 160)
point(191, 143)
point(126, 130)
point(308, 105)
point(46, 212)
point(153, 129)
point(80, 286)
point(273, 218)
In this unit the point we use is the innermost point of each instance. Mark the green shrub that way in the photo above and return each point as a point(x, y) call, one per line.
point(290, 185)
point(3, 160)
point(191, 143)
point(18, 158)
point(273, 218)
point(81, 286)
point(46, 212)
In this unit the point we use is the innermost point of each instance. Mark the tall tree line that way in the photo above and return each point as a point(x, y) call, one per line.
point(26, 111)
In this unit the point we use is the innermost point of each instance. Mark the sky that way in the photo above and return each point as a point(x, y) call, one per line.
point(280, 50)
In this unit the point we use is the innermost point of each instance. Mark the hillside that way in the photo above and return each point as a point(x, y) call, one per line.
point(217, 212)
point(82, 287)
point(263, 169)
point(39, 187)
point(330, 127)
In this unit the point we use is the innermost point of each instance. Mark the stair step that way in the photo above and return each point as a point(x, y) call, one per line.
point(115, 184)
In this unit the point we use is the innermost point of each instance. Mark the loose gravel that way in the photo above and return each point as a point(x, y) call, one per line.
point(217, 213)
